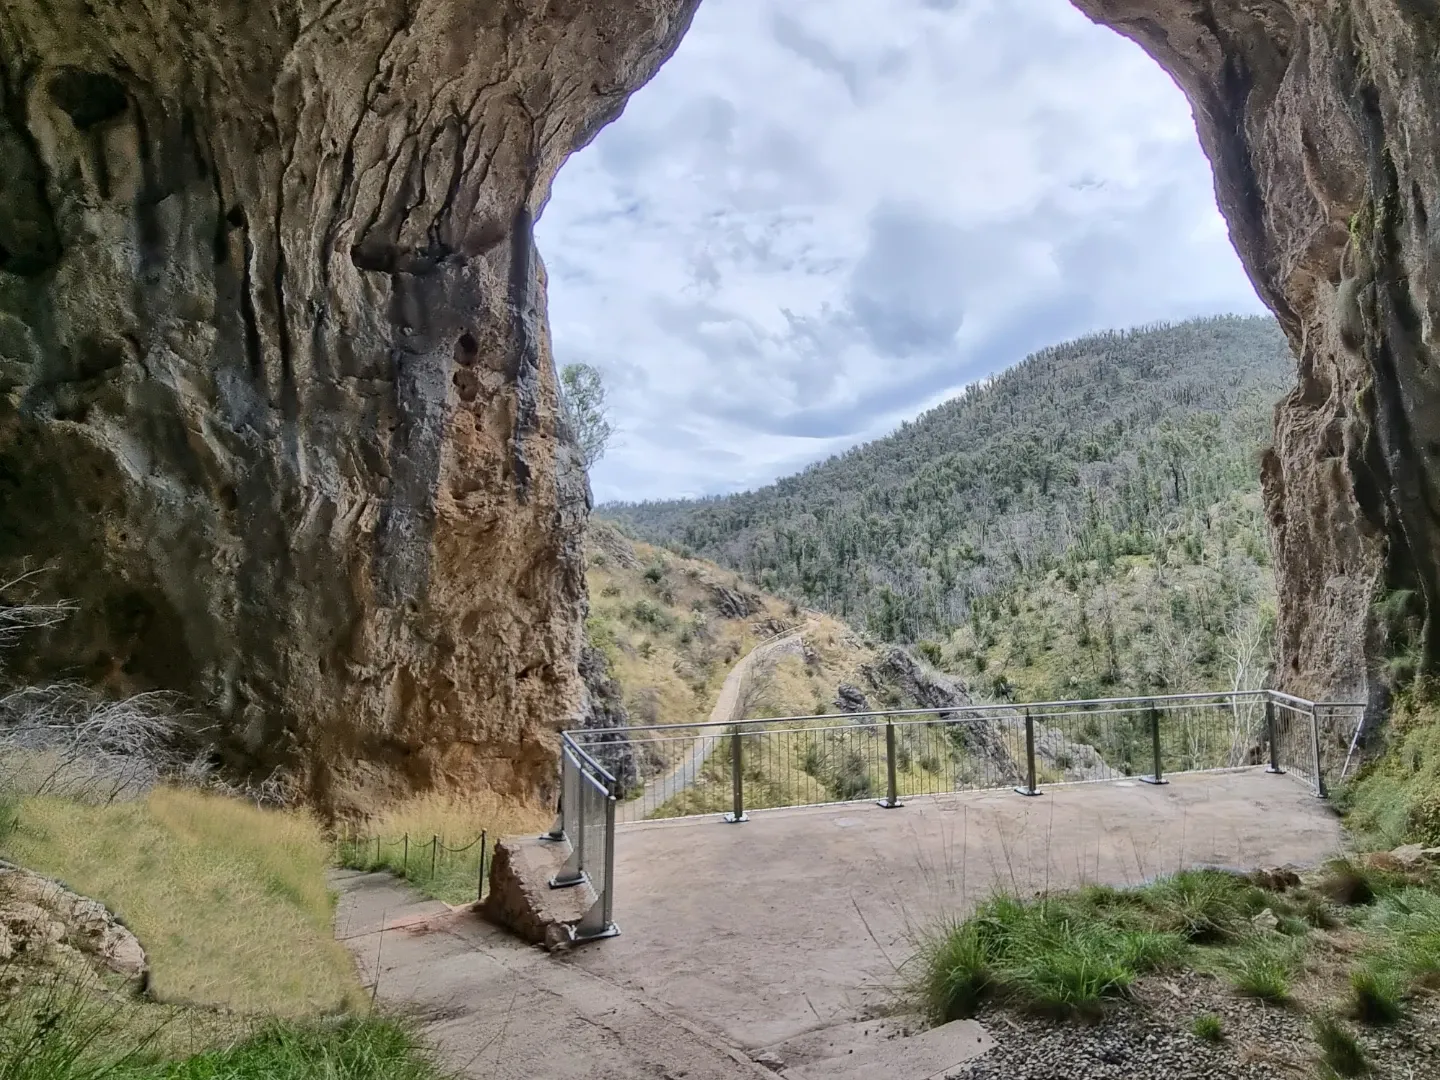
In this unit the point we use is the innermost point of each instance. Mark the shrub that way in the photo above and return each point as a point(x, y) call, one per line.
point(852, 777)
point(1208, 1028)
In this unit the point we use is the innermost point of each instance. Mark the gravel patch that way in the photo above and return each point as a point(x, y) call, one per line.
point(1150, 1037)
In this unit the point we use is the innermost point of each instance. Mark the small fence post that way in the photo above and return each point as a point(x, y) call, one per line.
point(1156, 776)
point(405, 863)
point(480, 886)
point(892, 795)
point(1029, 788)
point(737, 783)
point(434, 850)
point(1271, 735)
point(1315, 749)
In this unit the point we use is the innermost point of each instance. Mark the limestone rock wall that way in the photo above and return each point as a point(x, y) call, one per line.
point(276, 395)
point(275, 390)
point(1322, 121)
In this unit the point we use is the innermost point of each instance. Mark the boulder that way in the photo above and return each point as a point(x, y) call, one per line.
point(43, 922)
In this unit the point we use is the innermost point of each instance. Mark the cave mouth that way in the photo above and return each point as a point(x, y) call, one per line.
point(835, 227)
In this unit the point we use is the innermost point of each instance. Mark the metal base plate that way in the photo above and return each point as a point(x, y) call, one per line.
point(1153, 781)
point(568, 883)
point(731, 819)
point(1273, 771)
point(886, 804)
point(600, 935)
point(1027, 792)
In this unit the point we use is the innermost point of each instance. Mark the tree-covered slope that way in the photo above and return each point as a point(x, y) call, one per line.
point(1088, 519)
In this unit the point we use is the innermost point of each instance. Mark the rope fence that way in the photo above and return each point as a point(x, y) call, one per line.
point(453, 873)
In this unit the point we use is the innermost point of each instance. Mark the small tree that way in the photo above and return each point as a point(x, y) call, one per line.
point(582, 391)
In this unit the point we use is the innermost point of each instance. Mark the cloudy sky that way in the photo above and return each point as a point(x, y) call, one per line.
point(824, 216)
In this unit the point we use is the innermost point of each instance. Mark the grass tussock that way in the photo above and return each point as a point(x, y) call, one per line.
point(1340, 1052)
point(1375, 996)
point(1207, 1027)
point(1263, 968)
point(1068, 954)
point(228, 899)
point(437, 824)
point(59, 1030)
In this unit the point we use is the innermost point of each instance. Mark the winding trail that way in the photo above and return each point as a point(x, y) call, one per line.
point(686, 772)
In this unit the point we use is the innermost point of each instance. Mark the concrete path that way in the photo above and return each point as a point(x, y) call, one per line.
point(501, 1010)
point(782, 942)
point(803, 919)
point(687, 770)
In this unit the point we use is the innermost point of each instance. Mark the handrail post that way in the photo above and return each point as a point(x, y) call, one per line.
point(737, 783)
point(1156, 776)
point(892, 794)
point(1270, 734)
point(609, 898)
point(557, 827)
point(1315, 748)
point(1029, 788)
point(573, 872)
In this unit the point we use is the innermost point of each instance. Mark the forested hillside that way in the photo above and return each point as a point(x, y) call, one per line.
point(1087, 521)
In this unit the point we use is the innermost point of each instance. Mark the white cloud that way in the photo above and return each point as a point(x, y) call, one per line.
point(824, 215)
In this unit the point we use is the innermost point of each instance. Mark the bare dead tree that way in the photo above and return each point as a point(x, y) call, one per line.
point(757, 688)
point(23, 615)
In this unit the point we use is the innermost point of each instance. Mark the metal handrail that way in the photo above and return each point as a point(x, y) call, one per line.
point(884, 714)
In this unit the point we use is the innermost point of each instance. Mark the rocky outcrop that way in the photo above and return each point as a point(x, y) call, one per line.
point(851, 699)
point(276, 394)
point(43, 924)
point(602, 710)
point(1321, 121)
point(734, 601)
point(608, 542)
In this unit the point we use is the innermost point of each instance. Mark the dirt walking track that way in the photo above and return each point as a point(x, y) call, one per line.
point(773, 945)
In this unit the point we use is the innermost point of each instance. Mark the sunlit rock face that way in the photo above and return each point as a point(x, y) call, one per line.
point(276, 395)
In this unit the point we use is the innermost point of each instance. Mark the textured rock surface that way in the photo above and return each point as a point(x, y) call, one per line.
point(276, 397)
point(275, 392)
point(520, 898)
point(1322, 122)
point(43, 923)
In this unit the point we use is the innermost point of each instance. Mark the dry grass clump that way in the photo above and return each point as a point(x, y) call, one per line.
point(228, 899)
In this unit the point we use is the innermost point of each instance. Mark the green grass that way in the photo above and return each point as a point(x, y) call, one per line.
point(1059, 956)
point(1262, 968)
point(357, 1049)
point(1207, 1027)
point(1068, 954)
point(1404, 933)
point(1396, 799)
point(1340, 1052)
point(59, 1030)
